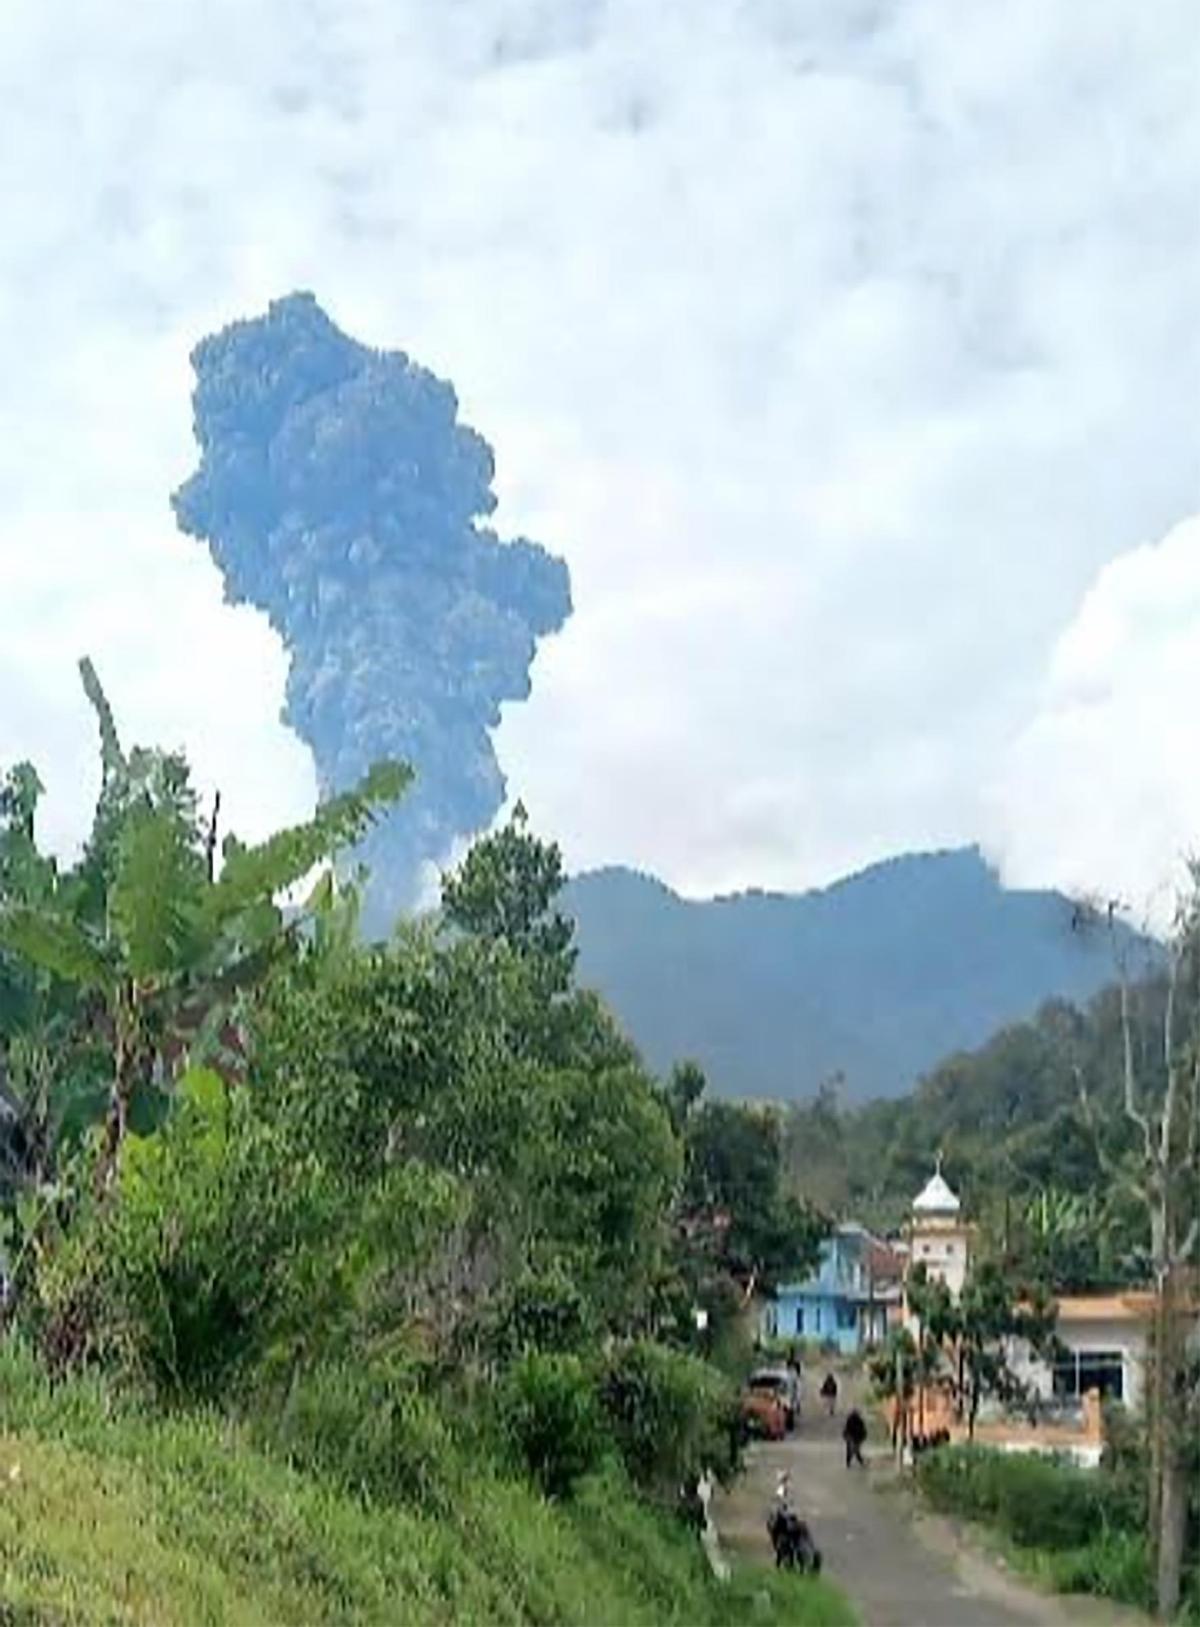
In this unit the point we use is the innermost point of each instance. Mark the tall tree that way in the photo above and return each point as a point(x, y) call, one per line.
point(504, 892)
point(156, 945)
point(1159, 1165)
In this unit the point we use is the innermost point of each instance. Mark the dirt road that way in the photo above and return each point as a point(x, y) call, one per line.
point(901, 1568)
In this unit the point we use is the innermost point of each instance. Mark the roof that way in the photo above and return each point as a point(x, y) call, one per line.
point(936, 1198)
point(1137, 1306)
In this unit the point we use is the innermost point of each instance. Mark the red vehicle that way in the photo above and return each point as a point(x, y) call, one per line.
point(764, 1412)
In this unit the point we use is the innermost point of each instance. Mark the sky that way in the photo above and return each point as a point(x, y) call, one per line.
point(847, 350)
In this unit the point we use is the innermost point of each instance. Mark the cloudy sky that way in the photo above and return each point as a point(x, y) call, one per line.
point(849, 350)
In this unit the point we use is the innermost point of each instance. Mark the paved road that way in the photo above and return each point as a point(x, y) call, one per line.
point(900, 1569)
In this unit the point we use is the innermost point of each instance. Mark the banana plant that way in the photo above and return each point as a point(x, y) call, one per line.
point(156, 943)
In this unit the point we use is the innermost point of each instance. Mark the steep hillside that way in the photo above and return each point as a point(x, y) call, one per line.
point(112, 1516)
point(878, 976)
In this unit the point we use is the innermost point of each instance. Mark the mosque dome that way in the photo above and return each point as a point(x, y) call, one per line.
point(936, 1198)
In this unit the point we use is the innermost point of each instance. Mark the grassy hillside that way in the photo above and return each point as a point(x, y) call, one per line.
point(877, 977)
point(108, 1516)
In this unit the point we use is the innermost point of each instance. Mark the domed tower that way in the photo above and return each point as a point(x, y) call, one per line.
point(939, 1238)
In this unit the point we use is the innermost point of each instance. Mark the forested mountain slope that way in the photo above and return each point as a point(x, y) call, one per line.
point(877, 977)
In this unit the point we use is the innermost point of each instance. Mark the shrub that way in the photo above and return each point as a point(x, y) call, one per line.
point(369, 1429)
point(1115, 1566)
point(550, 1417)
point(540, 1311)
point(1037, 1502)
point(672, 1416)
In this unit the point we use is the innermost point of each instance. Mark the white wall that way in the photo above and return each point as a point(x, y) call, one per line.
point(943, 1252)
point(1123, 1335)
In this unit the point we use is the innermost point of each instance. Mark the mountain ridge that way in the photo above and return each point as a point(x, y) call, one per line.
point(876, 976)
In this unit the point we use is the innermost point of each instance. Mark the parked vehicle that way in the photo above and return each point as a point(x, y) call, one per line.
point(764, 1412)
point(783, 1382)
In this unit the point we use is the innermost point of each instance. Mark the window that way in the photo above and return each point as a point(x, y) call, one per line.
point(949, 1248)
point(926, 1248)
point(845, 1316)
point(799, 1318)
point(1084, 1370)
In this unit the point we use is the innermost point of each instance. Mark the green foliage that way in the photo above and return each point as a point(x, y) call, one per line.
point(1033, 1500)
point(683, 1091)
point(976, 1331)
point(504, 893)
point(1008, 1118)
point(230, 1245)
point(1115, 1565)
point(898, 1364)
point(367, 1427)
point(540, 1312)
point(550, 1416)
point(671, 1415)
point(1078, 1530)
point(388, 1232)
point(142, 923)
point(115, 1515)
point(734, 1170)
point(250, 875)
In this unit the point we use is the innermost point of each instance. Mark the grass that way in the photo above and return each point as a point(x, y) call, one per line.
point(109, 1515)
point(1070, 1530)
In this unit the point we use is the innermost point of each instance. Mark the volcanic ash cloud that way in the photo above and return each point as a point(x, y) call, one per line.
point(339, 493)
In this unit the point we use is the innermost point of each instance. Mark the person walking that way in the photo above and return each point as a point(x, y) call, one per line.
point(829, 1393)
point(854, 1433)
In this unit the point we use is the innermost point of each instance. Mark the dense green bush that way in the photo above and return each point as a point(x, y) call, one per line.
point(1036, 1501)
point(550, 1416)
point(671, 1415)
point(1116, 1565)
point(367, 1428)
point(540, 1311)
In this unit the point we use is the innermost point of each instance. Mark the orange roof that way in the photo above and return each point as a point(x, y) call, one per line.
point(1136, 1306)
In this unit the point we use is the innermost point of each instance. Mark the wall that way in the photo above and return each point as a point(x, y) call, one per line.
point(943, 1250)
point(1122, 1335)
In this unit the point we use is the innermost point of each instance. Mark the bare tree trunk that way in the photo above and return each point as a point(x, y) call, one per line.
point(973, 1411)
point(1171, 1492)
point(1171, 1529)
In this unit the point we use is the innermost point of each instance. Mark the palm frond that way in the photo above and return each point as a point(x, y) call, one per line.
point(56, 944)
point(156, 892)
point(251, 874)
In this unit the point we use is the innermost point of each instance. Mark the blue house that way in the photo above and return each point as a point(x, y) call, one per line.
point(847, 1301)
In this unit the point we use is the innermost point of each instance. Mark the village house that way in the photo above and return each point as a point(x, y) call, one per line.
point(849, 1301)
point(1104, 1341)
point(1104, 1337)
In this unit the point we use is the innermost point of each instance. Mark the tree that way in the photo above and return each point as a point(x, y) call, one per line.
point(974, 1333)
point(39, 1067)
point(735, 1205)
point(983, 1326)
point(504, 892)
point(1159, 1166)
point(156, 945)
point(683, 1091)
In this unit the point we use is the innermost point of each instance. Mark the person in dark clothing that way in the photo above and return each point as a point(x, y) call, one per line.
point(854, 1433)
point(829, 1392)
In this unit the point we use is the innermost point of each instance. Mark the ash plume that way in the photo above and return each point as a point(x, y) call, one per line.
point(338, 492)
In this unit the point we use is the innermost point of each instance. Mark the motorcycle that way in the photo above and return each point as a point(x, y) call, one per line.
point(793, 1542)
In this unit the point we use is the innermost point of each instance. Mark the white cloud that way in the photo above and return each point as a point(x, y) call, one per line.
point(1101, 789)
point(838, 346)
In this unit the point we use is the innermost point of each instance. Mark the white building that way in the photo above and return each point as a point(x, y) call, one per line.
point(938, 1237)
point(1105, 1339)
